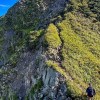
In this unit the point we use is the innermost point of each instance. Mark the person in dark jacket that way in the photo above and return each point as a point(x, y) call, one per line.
point(90, 92)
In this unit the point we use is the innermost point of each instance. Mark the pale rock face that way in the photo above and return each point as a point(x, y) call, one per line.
point(54, 85)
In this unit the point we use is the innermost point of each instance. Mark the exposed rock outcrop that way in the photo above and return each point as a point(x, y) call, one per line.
point(30, 69)
point(37, 12)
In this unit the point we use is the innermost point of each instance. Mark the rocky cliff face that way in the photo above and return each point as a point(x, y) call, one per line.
point(34, 12)
point(30, 78)
point(32, 71)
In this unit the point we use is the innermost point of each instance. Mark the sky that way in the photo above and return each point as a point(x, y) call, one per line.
point(5, 5)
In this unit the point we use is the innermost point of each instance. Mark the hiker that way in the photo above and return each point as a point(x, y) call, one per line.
point(90, 92)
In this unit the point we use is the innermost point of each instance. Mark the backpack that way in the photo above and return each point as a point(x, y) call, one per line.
point(91, 91)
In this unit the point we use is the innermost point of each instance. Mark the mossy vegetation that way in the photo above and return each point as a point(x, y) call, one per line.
point(1, 38)
point(34, 37)
point(80, 53)
point(0, 28)
point(10, 97)
point(51, 38)
point(90, 8)
point(36, 88)
point(13, 97)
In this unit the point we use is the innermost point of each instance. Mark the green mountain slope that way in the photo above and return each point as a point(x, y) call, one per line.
point(80, 50)
point(68, 43)
point(79, 53)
